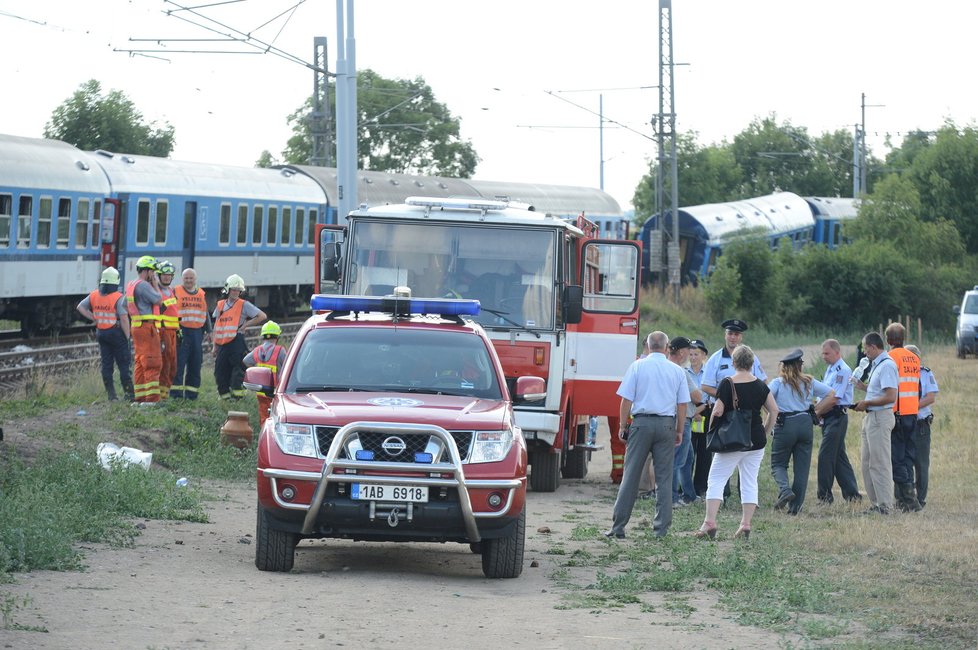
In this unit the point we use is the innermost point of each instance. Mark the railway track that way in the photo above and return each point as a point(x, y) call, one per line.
point(20, 364)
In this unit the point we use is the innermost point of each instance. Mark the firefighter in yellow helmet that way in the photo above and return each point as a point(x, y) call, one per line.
point(231, 317)
point(170, 321)
point(269, 355)
point(143, 299)
point(107, 307)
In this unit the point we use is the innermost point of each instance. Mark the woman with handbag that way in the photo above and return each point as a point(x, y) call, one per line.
point(795, 393)
point(737, 435)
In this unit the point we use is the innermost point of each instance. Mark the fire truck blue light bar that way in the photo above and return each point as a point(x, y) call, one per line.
point(390, 304)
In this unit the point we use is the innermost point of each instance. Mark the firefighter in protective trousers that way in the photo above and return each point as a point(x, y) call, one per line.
point(107, 307)
point(231, 317)
point(143, 299)
point(170, 319)
point(269, 355)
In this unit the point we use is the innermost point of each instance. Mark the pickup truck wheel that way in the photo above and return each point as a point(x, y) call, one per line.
point(544, 471)
point(962, 353)
point(576, 463)
point(503, 557)
point(274, 549)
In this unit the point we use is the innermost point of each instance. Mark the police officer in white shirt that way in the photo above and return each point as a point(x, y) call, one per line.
point(833, 461)
point(719, 366)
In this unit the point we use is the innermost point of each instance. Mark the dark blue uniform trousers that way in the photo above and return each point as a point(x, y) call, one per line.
point(793, 441)
point(114, 348)
point(903, 448)
point(190, 357)
point(833, 461)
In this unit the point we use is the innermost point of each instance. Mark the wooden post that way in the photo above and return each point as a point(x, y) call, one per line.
point(920, 331)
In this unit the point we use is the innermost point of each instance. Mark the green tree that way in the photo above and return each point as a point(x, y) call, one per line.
point(266, 159)
point(90, 120)
point(944, 174)
point(401, 128)
point(893, 213)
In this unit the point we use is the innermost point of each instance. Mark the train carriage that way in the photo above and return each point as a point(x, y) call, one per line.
point(51, 202)
point(218, 219)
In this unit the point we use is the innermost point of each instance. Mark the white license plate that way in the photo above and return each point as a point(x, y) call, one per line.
point(390, 493)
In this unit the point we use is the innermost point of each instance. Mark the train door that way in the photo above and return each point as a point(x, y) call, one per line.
point(190, 232)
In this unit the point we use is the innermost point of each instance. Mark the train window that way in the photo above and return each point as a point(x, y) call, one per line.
point(142, 223)
point(271, 239)
point(6, 213)
point(242, 225)
point(312, 227)
point(96, 223)
point(300, 225)
point(225, 232)
point(286, 226)
point(162, 216)
point(44, 223)
point(64, 222)
point(81, 223)
point(256, 228)
point(25, 213)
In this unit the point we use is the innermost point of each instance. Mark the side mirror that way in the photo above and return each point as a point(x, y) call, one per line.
point(259, 380)
point(956, 309)
point(573, 303)
point(530, 389)
point(332, 255)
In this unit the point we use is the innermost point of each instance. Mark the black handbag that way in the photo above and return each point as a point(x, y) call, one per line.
point(732, 431)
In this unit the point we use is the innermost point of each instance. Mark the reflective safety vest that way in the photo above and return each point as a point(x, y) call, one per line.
point(169, 311)
point(226, 326)
point(134, 316)
point(271, 363)
point(103, 308)
point(193, 308)
point(908, 388)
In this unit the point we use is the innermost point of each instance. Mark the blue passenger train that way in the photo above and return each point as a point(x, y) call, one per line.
point(67, 213)
point(704, 230)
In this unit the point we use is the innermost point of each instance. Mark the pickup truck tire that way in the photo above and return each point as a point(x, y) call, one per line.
point(274, 549)
point(544, 471)
point(962, 353)
point(502, 557)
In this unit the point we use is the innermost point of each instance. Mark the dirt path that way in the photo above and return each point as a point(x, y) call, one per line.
point(195, 586)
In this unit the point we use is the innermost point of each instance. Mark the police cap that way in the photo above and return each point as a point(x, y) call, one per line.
point(679, 343)
point(697, 343)
point(735, 325)
point(794, 355)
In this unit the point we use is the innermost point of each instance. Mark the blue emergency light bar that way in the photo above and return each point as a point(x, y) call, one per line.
point(395, 305)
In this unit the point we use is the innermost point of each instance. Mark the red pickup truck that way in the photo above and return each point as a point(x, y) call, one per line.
point(391, 421)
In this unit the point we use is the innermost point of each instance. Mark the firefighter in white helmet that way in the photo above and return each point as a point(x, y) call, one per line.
point(231, 317)
point(107, 307)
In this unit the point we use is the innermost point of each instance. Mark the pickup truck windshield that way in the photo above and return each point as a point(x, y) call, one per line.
point(338, 359)
point(510, 271)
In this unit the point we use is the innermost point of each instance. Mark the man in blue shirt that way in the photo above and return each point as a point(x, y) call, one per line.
point(833, 461)
point(881, 395)
point(655, 393)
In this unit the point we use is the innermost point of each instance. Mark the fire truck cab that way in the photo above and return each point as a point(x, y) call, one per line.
point(556, 301)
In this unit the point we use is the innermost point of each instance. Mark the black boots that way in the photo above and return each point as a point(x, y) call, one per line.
point(906, 497)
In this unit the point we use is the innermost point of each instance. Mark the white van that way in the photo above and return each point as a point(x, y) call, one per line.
point(967, 331)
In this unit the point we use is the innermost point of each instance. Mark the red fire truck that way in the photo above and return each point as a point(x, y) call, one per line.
point(557, 302)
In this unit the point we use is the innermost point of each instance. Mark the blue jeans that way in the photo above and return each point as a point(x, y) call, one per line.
point(682, 468)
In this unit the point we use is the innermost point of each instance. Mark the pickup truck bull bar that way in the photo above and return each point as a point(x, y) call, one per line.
point(332, 463)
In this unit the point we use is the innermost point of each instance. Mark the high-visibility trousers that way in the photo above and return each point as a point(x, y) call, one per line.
point(146, 378)
point(168, 339)
point(264, 406)
point(617, 450)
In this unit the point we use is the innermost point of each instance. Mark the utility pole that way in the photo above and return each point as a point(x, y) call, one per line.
point(346, 113)
point(857, 165)
point(321, 118)
point(862, 147)
point(601, 141)
point(667, 257)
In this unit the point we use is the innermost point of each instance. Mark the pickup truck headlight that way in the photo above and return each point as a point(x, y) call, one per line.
point(491, 446)
point(295, 439)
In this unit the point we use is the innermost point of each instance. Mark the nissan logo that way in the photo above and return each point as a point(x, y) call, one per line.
point(393, 446)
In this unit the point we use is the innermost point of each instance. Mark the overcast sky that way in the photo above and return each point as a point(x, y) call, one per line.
point(524, 76)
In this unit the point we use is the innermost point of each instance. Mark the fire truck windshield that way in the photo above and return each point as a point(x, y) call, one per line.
point(511, 271)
